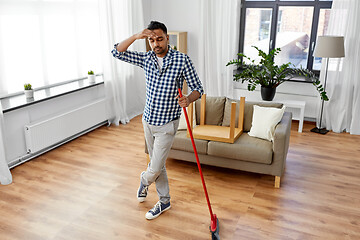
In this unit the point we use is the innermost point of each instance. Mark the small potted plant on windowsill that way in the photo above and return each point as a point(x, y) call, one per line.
point(29, 92)
point(91, 76)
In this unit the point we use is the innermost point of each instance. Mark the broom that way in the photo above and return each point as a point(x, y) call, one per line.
point(214, 225)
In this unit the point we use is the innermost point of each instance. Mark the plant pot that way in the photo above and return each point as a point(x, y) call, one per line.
point(91, 78)
point(29, 93)
point(267, 93)
point(29, 100)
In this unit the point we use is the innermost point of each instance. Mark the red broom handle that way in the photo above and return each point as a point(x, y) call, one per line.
point(213, 217)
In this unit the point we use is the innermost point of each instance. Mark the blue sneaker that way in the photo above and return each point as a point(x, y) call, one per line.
point(158, 209)
point(142, 191)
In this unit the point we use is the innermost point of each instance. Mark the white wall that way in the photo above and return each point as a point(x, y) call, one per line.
point(178, 15)
point(146, 11)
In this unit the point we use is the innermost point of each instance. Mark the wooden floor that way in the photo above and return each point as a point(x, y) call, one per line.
point(86, 189)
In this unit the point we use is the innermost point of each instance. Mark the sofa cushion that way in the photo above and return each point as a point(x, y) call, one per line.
point(214, 111)
point(245, 148)
point(183, 143)
point(264, 121)
point(248, 113)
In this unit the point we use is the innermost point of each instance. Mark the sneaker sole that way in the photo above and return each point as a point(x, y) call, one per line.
point(140, 199)
point(151, 217)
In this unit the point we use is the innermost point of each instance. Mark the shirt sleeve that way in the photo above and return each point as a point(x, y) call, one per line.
point(132, 57)
point(191, 77)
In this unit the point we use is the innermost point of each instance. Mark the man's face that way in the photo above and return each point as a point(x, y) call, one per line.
point(159, 44)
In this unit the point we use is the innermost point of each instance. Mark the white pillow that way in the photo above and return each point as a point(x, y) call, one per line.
point(182, 122)
point(264, 122)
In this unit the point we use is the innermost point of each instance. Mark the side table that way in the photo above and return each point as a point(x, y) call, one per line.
point(300, 106)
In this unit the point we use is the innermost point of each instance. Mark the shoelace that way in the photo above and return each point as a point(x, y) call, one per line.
point(157, 205)
point(144, 190)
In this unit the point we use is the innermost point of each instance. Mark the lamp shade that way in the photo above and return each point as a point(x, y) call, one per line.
point(329, 47)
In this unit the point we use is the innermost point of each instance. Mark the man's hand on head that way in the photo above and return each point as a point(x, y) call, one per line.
point(146, 33)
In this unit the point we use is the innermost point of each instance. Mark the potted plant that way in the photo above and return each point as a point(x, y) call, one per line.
point(269, 75)
point(29, 92)
point(91, 76)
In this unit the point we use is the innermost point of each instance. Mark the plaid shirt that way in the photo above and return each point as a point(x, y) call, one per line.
point(161, 106)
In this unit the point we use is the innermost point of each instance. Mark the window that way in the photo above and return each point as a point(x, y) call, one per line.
point(292, 25)
point(257, 30)
point(293, 35)
point(44, 42)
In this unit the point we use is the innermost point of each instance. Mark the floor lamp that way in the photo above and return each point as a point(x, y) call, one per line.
point(327, 47)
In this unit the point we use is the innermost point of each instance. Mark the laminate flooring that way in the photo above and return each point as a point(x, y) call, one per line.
point(86, 189)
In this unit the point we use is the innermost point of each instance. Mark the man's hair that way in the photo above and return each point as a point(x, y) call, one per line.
point(157, 25)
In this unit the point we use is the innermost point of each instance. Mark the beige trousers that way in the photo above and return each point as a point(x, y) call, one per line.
point(159, 140)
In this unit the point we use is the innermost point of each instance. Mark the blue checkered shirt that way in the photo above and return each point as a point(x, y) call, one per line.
point(161, 106)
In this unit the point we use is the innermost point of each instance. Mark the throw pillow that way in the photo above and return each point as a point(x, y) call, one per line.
point(264, 122)
point(182, 122)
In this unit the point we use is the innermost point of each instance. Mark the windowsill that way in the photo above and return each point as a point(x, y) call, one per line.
point(299, 79)
point(19, 101)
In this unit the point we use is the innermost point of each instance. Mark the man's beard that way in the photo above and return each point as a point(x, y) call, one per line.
point(159, 50)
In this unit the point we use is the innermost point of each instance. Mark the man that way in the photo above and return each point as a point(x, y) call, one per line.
point(163, 66)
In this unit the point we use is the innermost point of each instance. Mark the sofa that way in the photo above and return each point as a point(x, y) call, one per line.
point(246, 153)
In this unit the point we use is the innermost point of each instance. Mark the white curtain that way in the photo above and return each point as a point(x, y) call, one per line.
point(124, 83)
point(219, 40)
point(5, 175)
point(342, 111)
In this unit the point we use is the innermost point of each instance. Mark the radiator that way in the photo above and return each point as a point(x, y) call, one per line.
point(55, 129)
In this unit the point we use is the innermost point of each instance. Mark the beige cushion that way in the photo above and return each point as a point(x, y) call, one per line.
point(245, 148)
point(183, 143)
point(214, 110)
point(264, 121)
point(248, 113)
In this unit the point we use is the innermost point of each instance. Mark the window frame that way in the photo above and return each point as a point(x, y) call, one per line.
point(274, 5)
